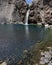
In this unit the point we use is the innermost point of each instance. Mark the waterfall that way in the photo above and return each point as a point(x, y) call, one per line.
point(26, 18)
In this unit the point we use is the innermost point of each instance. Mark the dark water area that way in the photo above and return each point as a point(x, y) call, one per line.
point(15, 38)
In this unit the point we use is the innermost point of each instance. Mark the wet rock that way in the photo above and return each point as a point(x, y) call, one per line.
point(31, 13)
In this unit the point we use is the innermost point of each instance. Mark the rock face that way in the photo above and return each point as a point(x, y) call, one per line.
point(6, 10)
point(41, 5)
point(48, 11)
point(20, 10)
point(48, 14)
point(12, 10)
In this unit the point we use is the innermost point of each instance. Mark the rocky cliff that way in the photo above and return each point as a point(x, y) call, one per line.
point(20, 11)
point(39, 6)
point(12, 11)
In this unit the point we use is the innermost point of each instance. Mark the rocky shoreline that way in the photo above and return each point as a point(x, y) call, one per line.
point(39, 54)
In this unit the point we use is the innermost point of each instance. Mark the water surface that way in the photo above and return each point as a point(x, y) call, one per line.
point(14, 39)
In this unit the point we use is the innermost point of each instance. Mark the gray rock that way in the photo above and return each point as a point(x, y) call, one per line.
point(12, 10)
point(37, 6)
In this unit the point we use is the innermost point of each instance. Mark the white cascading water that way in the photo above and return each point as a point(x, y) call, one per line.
point(26, 18)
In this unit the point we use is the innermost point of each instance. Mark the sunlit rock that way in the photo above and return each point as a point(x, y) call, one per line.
point(4, 63)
